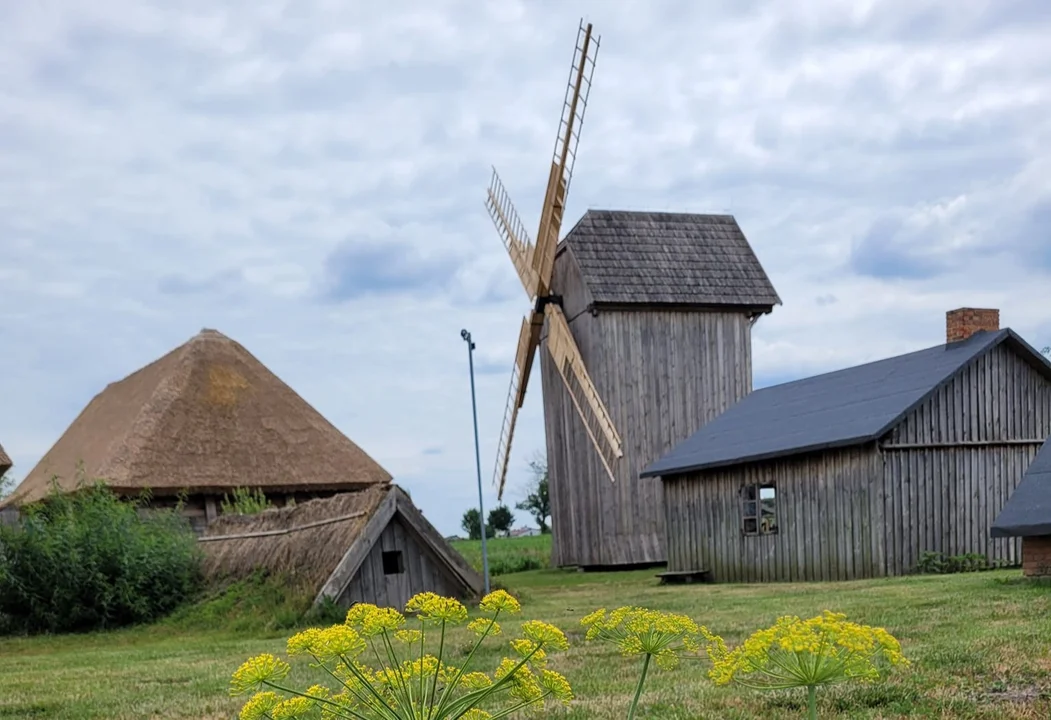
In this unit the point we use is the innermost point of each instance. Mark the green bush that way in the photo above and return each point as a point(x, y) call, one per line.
point(936, 563)
point(89, 560)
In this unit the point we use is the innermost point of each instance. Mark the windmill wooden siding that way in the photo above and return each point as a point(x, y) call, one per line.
point(934, 482)
point(662, 373)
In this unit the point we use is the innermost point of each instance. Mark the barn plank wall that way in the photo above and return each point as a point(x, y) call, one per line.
point(952, 462)
point(935, 483)
point(422, 572)
point(830, 520)
point(662, 374)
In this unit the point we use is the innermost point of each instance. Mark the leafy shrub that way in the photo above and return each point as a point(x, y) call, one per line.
point(936, 563)
point(245, 501)
point(89, 560)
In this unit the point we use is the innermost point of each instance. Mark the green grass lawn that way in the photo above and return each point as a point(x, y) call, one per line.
point(980, 645)
point(508, 555)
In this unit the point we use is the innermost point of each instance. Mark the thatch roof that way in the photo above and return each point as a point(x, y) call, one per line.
point(205, 418)
point(5, 461)
point(321, 543)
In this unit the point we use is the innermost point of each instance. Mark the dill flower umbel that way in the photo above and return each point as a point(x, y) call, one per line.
point(794, 653)
point(410, 678)
point(660, 636)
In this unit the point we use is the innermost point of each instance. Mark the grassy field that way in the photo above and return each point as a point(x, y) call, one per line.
point(980, 644)
point(508, 555)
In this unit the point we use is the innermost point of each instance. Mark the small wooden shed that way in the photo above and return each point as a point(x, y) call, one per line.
point(368, 546)
point(204, 419)
point(1027, 515)
point(856, 473)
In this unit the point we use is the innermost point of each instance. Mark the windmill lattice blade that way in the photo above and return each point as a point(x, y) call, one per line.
point(574, 105)
point(582, 390)
point(528, 339)
point(513, 233)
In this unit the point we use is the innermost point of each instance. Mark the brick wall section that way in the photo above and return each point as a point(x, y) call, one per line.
point(1036, 556)
point(961, 323)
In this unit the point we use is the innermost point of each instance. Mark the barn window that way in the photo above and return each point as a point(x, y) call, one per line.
point(392, 562)
point(759, 509)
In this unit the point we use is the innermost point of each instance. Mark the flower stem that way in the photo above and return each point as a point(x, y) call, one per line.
point(811, 701)
point(638, 688)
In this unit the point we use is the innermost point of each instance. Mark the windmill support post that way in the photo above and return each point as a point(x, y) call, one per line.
point(477, 458)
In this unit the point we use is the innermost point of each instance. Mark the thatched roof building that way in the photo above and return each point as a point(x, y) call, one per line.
point(368, 546)
point(203, 419)
point(5, 461)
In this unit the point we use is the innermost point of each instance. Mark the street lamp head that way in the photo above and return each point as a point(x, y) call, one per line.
point(465, 335)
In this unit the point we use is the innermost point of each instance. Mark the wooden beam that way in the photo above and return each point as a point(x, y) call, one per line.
point(357, 552)
point(962, 444)
point(284, 531)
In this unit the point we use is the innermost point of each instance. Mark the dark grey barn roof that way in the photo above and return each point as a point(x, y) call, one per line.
point(837, 409)
point(1028, 511)
point(668, 258)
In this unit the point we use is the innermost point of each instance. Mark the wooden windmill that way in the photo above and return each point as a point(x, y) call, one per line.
point(643, 324)
point(535, 263)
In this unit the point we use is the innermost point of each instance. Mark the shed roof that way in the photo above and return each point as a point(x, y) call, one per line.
point(5, 461)
point(837, 409)
point(1027, 511)
point(668, 258)
point(322, 543)
point(206, 417)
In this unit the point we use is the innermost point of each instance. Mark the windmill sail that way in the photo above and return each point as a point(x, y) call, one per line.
point(535, 265)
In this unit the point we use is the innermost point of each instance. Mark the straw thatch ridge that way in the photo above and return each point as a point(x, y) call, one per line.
point(307, 555)
point(205, 418)
point(322, 543)
point(5, 461)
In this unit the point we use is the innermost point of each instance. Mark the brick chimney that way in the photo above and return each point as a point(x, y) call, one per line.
point(961, 323)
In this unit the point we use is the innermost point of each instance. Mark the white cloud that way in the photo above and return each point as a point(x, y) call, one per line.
point(169, 167)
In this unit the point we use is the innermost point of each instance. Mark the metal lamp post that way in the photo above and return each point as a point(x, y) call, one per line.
point(477, 459)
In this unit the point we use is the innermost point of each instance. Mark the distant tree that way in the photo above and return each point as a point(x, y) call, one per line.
point(1047, 351)
point(7, 484)
point(537, 502)
point(472, 525)
point(500, 519)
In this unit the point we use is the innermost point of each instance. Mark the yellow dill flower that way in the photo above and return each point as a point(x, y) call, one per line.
point(408, 636)
point(475, 680)
point(805, 653)
point(381, 620)
point(545, 634)
point(641, 631)
point(338, 706)
point(524, 685)
point(524, 647)
point(260, 705)
point(338, 641)
point(500, 601)
point(480, 626)
point(256, 671)
point(303, 642)
point(476, 714)
point(433, 608)
point(357, 613)
point(318, 691)
point(557, 685)
point(292, 708)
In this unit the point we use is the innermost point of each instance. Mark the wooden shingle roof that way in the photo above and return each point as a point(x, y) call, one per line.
point(668, 258)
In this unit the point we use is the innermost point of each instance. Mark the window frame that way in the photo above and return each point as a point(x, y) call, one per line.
point(752, 512)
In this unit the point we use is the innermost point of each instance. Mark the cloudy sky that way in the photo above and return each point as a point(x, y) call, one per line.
point(308, 177)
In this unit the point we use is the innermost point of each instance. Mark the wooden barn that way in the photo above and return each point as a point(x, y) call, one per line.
point(856, 473)
point(661, 306)
point(200, 421)
point(1027, 515)
point(367, 546)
